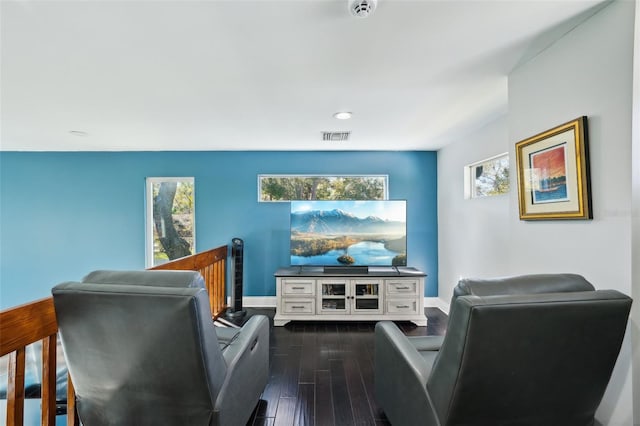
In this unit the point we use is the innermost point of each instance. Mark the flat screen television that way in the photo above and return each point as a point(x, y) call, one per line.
point(349, 233)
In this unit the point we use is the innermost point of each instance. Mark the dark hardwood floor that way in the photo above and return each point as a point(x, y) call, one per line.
point(322, 372)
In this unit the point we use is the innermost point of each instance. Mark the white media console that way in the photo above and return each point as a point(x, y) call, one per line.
point(379, 293)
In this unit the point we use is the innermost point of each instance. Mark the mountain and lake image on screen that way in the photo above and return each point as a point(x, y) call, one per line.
point(345, 233)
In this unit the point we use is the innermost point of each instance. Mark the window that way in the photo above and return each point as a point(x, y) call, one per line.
point(487, 177)
point(274, 188)
point(170, 227)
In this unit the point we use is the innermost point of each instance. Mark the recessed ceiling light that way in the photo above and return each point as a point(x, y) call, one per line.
point(78, 133)
point(344, 115)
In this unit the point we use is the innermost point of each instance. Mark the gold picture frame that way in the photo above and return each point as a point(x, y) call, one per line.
point(553, 173)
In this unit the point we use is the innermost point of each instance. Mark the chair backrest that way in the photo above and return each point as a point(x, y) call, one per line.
point(139, 353)
point(528, 358)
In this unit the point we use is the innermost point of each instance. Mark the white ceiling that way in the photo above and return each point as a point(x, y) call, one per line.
point(262, 75)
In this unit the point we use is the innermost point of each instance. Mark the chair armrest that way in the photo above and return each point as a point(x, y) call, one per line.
point(426, 343)
point(400, 370)
point(247, 359)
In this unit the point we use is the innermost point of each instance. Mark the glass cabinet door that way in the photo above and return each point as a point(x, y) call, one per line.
point(334, 296)
point(366, 296)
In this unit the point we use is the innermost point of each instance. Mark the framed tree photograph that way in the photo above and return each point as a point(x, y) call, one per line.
point(553, 173)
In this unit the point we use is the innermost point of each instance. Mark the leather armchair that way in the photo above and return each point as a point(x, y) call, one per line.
point(528, 350)
point(142, 349)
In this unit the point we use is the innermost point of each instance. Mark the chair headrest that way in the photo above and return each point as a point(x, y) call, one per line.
point(522, 284)
point(157, 278)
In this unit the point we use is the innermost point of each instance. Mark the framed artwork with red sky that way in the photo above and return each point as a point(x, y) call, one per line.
point(553, 173)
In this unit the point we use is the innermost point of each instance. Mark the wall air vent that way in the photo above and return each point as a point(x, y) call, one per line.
point(335, 136)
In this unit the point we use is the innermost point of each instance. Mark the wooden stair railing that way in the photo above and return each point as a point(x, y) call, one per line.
point(20, 327)
point(211, 265)
point(23, 325)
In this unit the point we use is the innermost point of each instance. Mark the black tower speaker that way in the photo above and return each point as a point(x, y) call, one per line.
point(237, 265)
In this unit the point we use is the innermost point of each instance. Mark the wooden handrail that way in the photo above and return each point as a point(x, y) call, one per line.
point(23, 325)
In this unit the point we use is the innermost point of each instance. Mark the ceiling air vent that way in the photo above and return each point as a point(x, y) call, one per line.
point(335, 136)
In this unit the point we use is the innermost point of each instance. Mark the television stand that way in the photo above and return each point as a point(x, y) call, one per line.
point(374, 294)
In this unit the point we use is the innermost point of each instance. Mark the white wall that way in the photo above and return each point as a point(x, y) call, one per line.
point(471, 231)
point(635, 235)
point(587, 72)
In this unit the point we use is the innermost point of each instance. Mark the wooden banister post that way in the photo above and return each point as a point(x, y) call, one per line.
point(49, 369)
point(15, 390)
point(72, 413)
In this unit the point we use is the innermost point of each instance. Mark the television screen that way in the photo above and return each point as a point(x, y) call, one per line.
point(349, 233)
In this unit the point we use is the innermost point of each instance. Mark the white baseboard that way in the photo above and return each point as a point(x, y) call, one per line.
point(436, 302)
point(259, 301)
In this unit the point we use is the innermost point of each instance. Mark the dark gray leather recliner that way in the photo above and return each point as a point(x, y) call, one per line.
point(142, 349)
point(527, 350)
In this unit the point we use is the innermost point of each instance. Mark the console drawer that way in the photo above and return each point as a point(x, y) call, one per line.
point(298, 306)
point(402, 287)
point(402, 306)
point(301, 287)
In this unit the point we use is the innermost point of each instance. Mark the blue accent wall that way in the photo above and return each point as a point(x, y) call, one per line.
point(63, 214)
